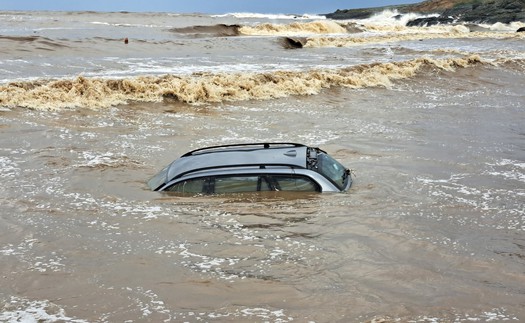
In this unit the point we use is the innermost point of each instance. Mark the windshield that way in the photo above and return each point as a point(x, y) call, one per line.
point(333, 170)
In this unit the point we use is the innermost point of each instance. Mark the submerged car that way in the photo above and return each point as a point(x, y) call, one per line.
point(253, 167)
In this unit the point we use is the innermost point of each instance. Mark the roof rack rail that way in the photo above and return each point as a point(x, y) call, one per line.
point(262, 144)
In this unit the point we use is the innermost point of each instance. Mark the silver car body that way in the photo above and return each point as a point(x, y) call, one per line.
point(255, 160)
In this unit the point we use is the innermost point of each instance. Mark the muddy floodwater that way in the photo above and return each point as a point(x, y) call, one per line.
point(433, 129)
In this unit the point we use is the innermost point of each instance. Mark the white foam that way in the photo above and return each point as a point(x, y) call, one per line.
point(393, 18)
point(127, 25)
point(8, 168)
point(22, 310)
point(496, 314)
point(511, 27)
point(244, 15)
point(108, 159)
point(509, 169)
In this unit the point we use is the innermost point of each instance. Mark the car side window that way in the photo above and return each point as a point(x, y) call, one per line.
point(237, 184)
point(246, 183)
point(294, 183)
point(189, 186)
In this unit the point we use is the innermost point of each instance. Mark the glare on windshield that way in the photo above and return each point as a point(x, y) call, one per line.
point(333, 170)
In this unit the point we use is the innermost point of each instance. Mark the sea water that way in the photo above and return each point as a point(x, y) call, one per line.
point(430, 119)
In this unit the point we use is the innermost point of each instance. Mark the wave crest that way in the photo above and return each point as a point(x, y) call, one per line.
point(96, 93)
point(313, 27)
point(450, 33)
point(219, 30)
point(34, 41)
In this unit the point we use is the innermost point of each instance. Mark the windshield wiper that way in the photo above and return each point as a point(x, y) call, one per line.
point(345, 174)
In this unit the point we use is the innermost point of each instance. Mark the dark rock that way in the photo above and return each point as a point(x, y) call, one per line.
point(352, 28)
point(521, 30)
point(362, 13)
point(491, 12)
point(292, 43)
point(351, 14)
point(429, 21)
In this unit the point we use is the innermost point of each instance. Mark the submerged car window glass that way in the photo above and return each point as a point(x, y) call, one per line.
point(237, 184)
point(189, 186)
point(332, 169)
point(294, 183)
point(159, 179)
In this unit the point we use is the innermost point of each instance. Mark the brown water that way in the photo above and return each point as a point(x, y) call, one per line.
point(431, 230)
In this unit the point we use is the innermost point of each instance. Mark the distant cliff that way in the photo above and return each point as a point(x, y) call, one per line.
point(475, 11)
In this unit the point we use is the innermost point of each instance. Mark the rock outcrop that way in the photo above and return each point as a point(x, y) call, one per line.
point(430, 21)
point(473, 11)
point(362, 13)
point(489, 11)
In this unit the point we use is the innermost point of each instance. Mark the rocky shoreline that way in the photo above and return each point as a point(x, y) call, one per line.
point(448, 11)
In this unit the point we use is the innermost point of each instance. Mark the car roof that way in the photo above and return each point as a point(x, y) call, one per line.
point(240, 155)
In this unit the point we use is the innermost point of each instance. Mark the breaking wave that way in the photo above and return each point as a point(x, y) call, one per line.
point(385, 22)
point(97, 93)
point(393, 18)
point(314, 27)
point(453, 32)
point(245, 15)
